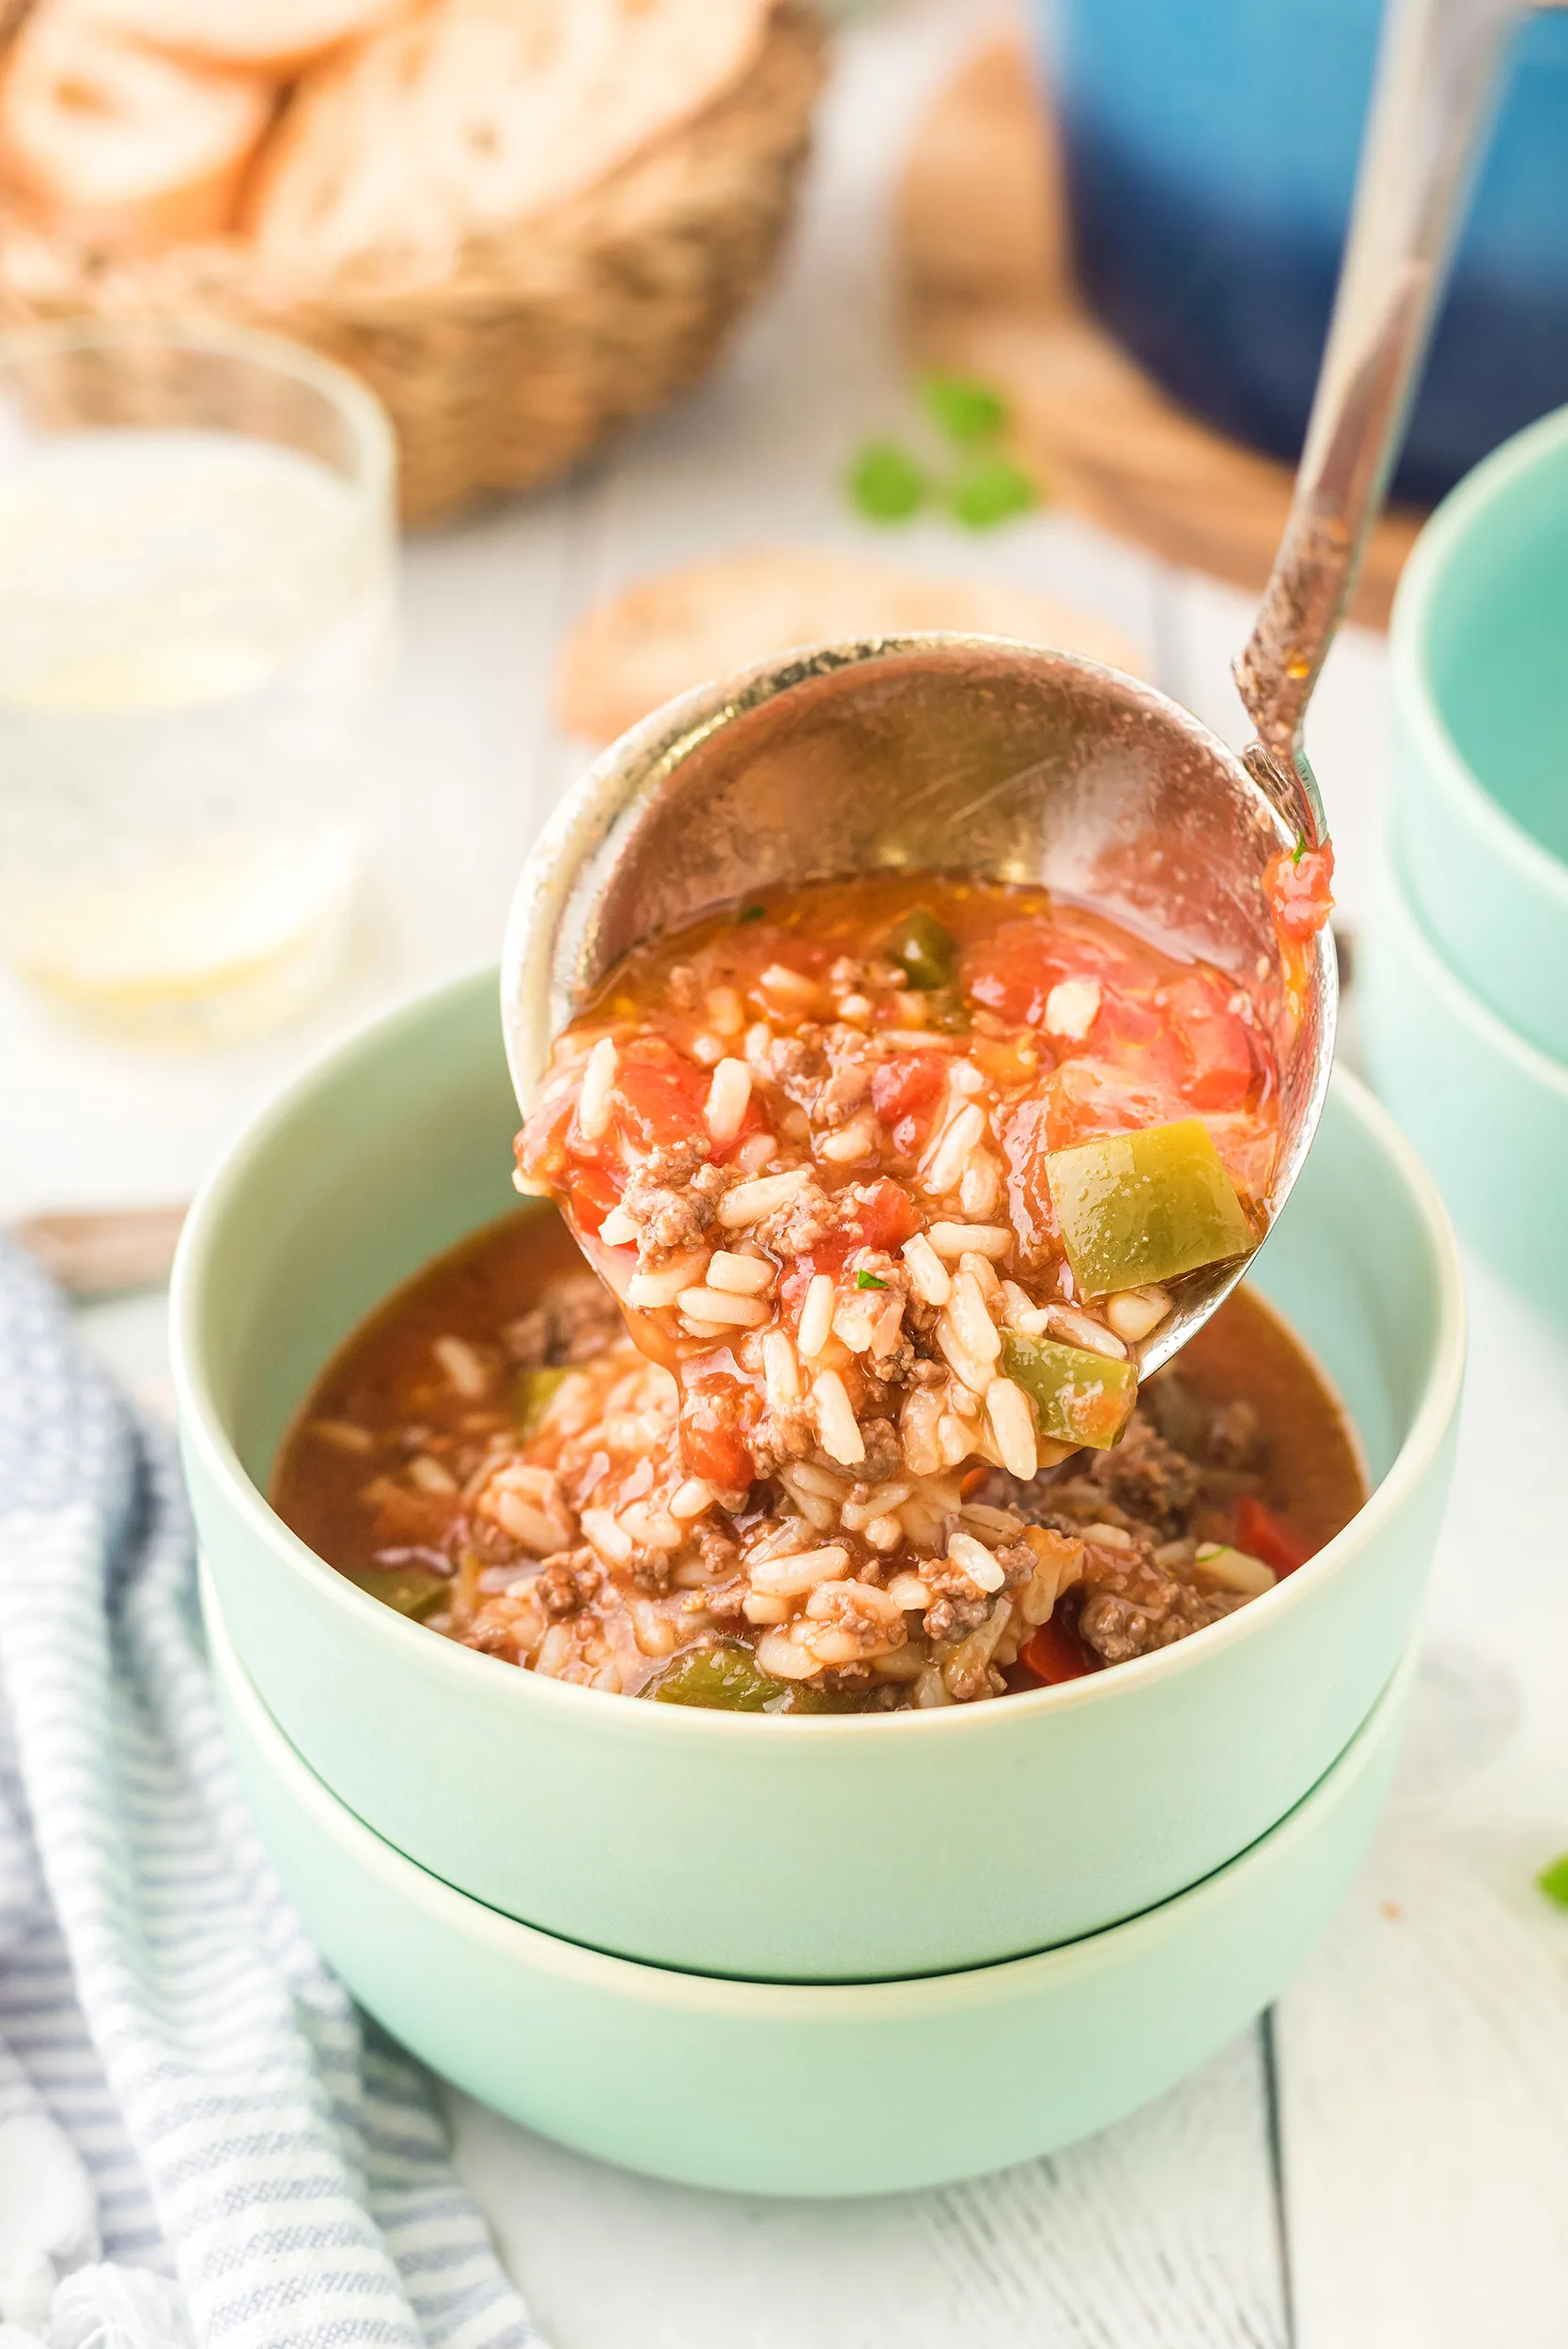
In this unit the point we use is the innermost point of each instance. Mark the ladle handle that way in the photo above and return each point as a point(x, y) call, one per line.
point(1436, 77)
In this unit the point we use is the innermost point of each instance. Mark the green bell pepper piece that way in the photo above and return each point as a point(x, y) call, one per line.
point(531, 1398)
point(728, 1678)
point(413, 1590)
point(1133, 1208)
point(929, 952)
point(1078, 1396)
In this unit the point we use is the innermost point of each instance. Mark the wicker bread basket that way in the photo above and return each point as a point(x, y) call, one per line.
point(504, 369)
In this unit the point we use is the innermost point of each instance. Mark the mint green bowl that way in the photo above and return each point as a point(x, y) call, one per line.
point(1480, 663)
point(790, 2088)
point(1486, 1109)
point(817, 1849)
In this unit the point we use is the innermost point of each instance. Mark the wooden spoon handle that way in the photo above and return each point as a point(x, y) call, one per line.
point(99, 1252)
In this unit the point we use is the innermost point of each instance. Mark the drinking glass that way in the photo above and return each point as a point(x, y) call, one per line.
point(197, 548)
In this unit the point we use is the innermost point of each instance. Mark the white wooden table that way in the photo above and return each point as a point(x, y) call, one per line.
point(1384, 2163)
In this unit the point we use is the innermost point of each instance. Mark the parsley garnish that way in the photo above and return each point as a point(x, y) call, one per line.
point(886, 483)
point(972, 476)
point(750, 913)
point(991, 492)
point(868, 1281)
point(963, 409)
point(1301, 849)
point(1554, 1881)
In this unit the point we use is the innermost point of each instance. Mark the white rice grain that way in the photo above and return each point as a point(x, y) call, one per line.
point(754, 1153)
point(836, 1420)
point(758, 1607)
point(952, 1240)
point(816, 1315)
point(748, 1203)
point(593, 1101)
point(726, 1013)
point(778, 1654)
point(932, 1280)
point(691, 1497)
point(946, 1163)
point(970, 1373)
point(723, 1308)
point(1135, 1311)
point(728, 1096)
point(1012, 1424)
point(742, 1276)
point(1075, 1329)
point(977, 1332)
point(1072, 1009)
point(908, 1592)
point(618, 1230)
point(607, 1537)
point(851, 1143)
point(781, 1370)
point(980, 1185)
point(652, 1290)
point(976, 1561)
point(787, 1577)
point(463, 1366)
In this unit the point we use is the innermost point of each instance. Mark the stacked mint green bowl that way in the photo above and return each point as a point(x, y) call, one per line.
point(1464, 978)
point(816, 1954)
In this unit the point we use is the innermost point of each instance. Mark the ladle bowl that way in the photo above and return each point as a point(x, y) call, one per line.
point(918, 754)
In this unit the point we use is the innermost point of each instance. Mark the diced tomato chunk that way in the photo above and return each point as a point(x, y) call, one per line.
point(1299, 886)
point(886, 1216)
point(659, 1095)
point(713, 1442)
point(908, 1083)
point(1054, 1653)
point(1262, 1534)
point(1221, 1067)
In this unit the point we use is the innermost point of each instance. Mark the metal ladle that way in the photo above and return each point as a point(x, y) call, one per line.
point(935, 751)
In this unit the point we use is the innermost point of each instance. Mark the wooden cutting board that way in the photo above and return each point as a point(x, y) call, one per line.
point(983, 259)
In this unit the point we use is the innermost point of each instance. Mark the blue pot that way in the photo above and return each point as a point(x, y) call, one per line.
point(1210, 150)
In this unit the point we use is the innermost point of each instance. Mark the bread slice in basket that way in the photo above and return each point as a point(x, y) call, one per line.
point(475, 116)
point(115, 145)
point(276, 38)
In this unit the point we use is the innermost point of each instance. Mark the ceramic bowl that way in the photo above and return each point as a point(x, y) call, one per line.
point(1480, 665)
point(1487, 1109)
point(815, 1849)
point(774, 2088)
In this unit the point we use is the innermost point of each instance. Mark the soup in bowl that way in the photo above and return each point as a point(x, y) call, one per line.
point(858, 1820)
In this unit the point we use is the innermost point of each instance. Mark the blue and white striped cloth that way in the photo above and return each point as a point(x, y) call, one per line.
point(201, 2141)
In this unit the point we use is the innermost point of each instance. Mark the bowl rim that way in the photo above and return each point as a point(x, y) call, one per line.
point(1417, 706)
point(202, 1429)
point(1535, 1065)
point(667, 1986)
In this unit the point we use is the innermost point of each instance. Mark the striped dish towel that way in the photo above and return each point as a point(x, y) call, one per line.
point(201, 2139)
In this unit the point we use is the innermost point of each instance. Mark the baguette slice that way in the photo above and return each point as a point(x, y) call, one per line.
point(672, 632)
point(472, 115)
point(115, 146)
point(276, 38)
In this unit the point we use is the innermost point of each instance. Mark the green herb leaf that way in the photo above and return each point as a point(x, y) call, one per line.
point(885, 483)
point(750, 913)
point(868, 1281)
point(1554, 1881)
point(966, 411)
point(993, 490)
point(1301, 849)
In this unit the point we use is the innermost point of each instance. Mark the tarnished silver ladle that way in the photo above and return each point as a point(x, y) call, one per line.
point(936, 752)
